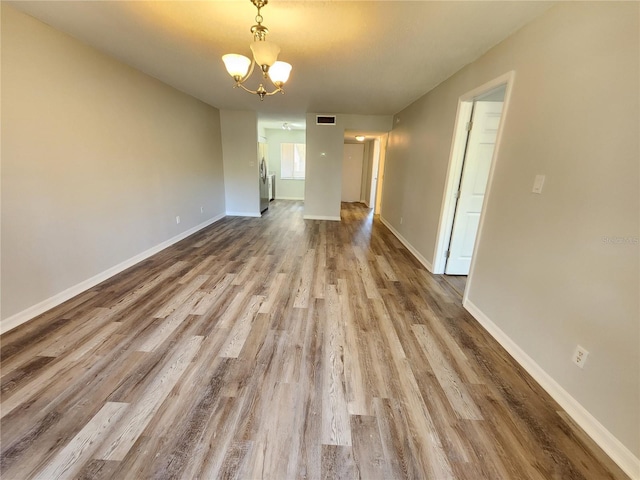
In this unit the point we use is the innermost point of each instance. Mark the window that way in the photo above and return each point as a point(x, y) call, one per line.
point(292, 161)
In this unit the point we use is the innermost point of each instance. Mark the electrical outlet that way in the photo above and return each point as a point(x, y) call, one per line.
point(177, 219)
point(400, 220)
point(201, 209)
point(580, 356)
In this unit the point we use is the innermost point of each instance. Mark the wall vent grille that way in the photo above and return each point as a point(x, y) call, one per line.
point(325, 119)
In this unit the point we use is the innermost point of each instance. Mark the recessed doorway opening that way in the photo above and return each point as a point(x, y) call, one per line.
point(475, 145)
point(363, 167)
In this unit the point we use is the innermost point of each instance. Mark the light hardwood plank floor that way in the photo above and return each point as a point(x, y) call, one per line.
point(458, 282)
point(276, 348)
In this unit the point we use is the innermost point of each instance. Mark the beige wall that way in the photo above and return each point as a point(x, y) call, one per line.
point(287, 189)
point(353, 166)
point(544, 273)
point(241, 168)
point(98, 159)
point(323, 179)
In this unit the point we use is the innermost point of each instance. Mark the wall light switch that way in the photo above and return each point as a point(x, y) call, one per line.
point(538, 183)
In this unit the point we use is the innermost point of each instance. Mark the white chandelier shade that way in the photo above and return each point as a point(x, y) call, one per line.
point(237, 65)
point(265, 52)
point(279, 72)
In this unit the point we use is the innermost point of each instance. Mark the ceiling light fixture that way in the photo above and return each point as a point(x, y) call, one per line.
point(265, 55)
point(360, 138)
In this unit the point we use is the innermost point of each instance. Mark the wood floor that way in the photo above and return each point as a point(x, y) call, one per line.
point(277, 348)
point(458, 282)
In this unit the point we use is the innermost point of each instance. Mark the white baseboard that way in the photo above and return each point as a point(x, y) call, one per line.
point(620, 454)
point(41, 307)
point(289, 198)
point(410, 247)
point(321, 217)
point(243, 214)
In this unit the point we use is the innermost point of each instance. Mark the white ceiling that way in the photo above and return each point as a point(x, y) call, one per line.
point(362, 57)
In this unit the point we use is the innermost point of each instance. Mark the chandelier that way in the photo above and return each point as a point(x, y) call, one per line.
point(265, 56)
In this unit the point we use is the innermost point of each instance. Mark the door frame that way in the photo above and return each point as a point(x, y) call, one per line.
point(454, 170)
point(384, 141)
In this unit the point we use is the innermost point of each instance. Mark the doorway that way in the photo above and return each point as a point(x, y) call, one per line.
point(481, 140)
point(475, 145)
point(367, 156)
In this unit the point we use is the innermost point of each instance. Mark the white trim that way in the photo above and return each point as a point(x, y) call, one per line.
point(41, 307)
point(454, 168)
point(289, 198)
point(243, 214)
point(620, 454)
point(410, 247)
point(448, 205)
point(321, 217)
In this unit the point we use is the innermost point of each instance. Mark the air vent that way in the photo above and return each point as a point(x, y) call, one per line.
point(325, 119)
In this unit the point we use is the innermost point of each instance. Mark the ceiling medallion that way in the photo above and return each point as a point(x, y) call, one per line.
point(265, 55)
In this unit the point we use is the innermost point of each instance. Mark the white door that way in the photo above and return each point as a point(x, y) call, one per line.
point(352, 171)
point(475, 173)
point(374, 173)
point(383, 154)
